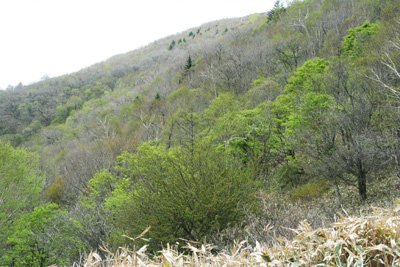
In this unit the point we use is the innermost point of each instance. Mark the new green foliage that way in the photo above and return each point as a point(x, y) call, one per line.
point(62, 112)
point(186, 192)
point(304, 101)
point(355, 42)
point(20, 183)
point(20, 186)
point(307, 77)
point(299, 116)
point(200, 134)
point(42, 237)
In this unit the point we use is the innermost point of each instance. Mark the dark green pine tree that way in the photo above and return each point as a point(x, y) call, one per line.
point(276, 11)
point(172, 44)
point(189, 64)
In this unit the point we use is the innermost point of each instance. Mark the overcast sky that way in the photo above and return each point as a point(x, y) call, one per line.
point(55, 37)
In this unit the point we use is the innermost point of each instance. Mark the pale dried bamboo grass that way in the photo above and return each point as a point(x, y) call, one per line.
point(371, 240)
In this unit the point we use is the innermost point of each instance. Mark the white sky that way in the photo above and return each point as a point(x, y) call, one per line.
point(55, 37)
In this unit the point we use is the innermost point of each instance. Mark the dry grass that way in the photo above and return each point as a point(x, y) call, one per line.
point(351, 241)
point(370, 240)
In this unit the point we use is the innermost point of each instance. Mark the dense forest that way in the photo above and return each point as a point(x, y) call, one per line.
point(211, 133)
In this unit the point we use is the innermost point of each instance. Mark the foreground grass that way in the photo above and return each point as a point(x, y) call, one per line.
point(370, 240)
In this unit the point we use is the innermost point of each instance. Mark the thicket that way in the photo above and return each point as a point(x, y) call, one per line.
point(286, 116)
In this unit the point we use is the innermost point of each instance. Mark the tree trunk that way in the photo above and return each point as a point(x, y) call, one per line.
point(338, 195)
point(362, 183)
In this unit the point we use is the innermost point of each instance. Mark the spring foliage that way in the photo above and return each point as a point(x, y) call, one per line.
point(188, 192)
point(20, 182)
point(299, 103)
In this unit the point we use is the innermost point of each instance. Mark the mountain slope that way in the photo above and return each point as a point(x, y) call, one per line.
point(218, 130)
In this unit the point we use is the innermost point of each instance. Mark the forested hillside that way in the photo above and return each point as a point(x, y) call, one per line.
point(213, 133)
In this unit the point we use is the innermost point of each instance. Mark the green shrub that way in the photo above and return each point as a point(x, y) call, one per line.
point(310, 191)
point(184, 192)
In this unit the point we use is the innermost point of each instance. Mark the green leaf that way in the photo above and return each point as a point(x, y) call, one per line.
point(338, 248)
point(266, 258)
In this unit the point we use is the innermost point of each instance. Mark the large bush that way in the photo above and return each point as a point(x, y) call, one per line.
point(184, 192)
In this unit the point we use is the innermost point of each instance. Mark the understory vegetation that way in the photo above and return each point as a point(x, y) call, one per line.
point(370, 240)
point(239, 129)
